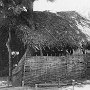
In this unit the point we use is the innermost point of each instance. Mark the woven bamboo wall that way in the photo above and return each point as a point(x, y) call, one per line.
point(50, 69)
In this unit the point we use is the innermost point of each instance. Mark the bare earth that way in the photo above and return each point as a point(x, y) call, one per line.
point(27, 88)
point(85, 86)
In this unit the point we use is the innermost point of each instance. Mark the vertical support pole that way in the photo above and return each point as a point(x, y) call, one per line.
point(22, 83)
point(36, 86)
point(22, 78)
point(59, 82)
point(73, 83)
point(23, 68)
point(41, 53)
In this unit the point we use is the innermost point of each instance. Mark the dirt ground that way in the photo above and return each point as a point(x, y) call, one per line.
point(28, 88)
point(83, 87)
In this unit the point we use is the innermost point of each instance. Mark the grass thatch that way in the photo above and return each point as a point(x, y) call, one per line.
point(50, 30)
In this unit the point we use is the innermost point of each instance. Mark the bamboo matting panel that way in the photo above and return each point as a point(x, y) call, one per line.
point(50, 69)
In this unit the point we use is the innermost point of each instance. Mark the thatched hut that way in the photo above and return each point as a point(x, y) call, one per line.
point(49, 46)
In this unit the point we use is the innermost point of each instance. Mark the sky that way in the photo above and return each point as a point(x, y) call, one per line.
point(81, 6)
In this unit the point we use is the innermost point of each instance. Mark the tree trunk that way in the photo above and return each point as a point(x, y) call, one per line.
point(1, 64)
point(9, 51)
point(29, 6)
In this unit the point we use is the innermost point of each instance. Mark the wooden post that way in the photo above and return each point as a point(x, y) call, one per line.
point(59, 82)
point(10, 61)
point(36, 85)
point(22, 83)
point(23, 67)
point(73, 83)
point(41, 53)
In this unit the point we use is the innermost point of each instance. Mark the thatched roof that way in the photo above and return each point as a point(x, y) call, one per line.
point(50, 30)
